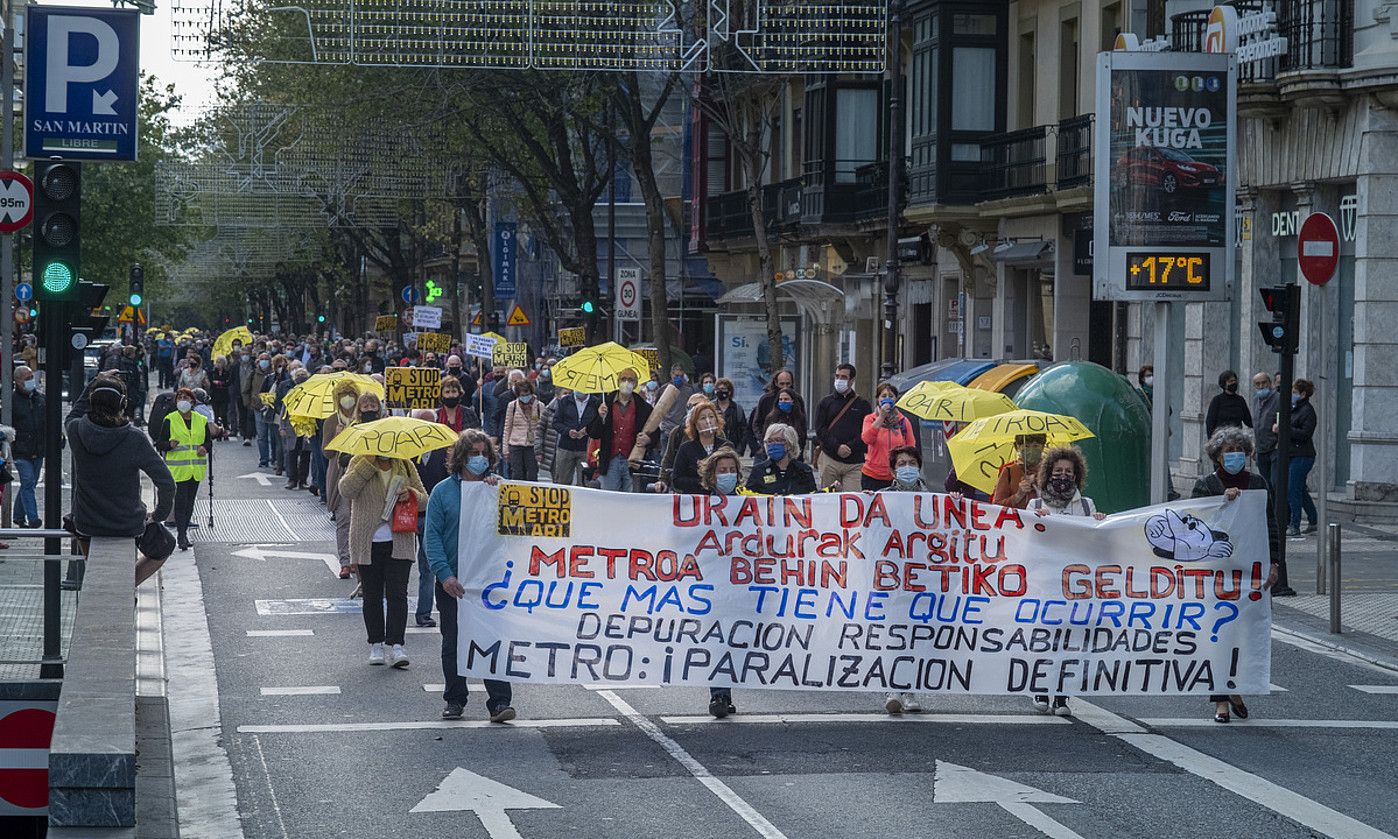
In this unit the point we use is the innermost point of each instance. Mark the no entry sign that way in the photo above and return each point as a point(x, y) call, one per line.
point(16, 201)
point(1318, 248)
point(25, 731)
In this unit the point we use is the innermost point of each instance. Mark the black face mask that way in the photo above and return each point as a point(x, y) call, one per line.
point(723, 394)
point(1231, 387)
point(368, 416)
point(451, 401)
point(453, 371)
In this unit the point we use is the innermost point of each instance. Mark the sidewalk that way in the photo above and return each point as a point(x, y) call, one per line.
point(1368, 596)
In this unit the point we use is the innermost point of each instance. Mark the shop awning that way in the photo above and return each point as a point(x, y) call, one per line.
point(812, 297)
point(1036, 251)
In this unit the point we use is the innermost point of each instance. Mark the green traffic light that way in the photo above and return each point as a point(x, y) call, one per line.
point(587, 306)
point(33, 313)
point(136, 300)
point(57, 278)
point(320, 318)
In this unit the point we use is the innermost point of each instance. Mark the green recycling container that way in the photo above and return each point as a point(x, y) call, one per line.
point(1118, 458)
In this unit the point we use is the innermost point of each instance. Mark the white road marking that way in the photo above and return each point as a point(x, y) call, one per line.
point(1277, 689)
point(954, 784)
point(307, 690)
point(281, 519)
point(725, 793)
point(350, 727)
point(280, 633)
point(1393, 689)
point(1207, 722)
point(622, 687)
point(490, 800)
point(433, 688)
point(1274, 797)
point(950, 719)
point(266, 773)
point(205, 794)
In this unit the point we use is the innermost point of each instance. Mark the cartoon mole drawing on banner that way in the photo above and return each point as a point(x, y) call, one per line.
point(1185, 538)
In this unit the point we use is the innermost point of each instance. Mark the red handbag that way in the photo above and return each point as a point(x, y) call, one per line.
point(405, 515)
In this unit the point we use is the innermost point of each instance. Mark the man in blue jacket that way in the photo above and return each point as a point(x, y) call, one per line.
point(471, 458)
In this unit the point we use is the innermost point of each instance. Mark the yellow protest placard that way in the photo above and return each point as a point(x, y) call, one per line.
point(412, 387)
point(651, 355)
point(386, 323)
point(573, 336)
point(433, 341)
point(511, 355)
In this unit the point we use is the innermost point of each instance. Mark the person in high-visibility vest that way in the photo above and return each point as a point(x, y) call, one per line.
point(183, 436)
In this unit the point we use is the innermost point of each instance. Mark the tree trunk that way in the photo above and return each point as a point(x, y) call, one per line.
point(643, 165)
point(753, 162)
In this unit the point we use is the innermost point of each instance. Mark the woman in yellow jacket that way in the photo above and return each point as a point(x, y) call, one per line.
point(384, 559)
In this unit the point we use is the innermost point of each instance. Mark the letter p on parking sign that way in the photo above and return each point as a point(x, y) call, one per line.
point(83, 72)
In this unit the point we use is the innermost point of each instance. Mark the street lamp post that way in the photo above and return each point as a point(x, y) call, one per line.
point(895, 178)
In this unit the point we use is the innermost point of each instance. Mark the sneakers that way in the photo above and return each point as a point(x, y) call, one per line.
point(1060, 707)
point(1310, 528)
point(721, 705)
point(1041, 704)
point(898, 703)
point(426, 622)
point(398, 657)
point(453, 711)
point(504, 714)
point(1293, 533)
point(376, 654)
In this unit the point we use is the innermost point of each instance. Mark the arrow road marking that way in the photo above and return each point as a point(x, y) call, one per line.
point(262, 552)
point(488, 799)
point(955, 784)
point(102, 104)
point(261, 479)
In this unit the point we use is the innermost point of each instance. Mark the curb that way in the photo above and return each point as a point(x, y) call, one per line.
point(1324, 640)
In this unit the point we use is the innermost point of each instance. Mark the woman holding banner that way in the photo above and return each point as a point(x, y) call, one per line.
point(719, 474)
point(905, 462)
point(471, 458)
point(1058, 492)
point(1229, 448)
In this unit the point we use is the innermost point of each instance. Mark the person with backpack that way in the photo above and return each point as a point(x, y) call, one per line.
point(839, 428)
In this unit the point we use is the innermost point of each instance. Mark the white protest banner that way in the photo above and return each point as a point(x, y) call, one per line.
point(891, 591)
point(480, 346)
point(427, 317)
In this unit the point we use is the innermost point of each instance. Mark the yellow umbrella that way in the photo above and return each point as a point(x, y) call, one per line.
point(595, 369)
point(497, 336)
point(223, 344)
point(951, 402)
point(982, 447)
point(315, 397)
point(400, 437)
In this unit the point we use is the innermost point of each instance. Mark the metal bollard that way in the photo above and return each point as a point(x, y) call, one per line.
point(1334, 543)
point(1322, 559)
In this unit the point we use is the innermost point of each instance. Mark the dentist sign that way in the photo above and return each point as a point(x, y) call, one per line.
point(81, 83)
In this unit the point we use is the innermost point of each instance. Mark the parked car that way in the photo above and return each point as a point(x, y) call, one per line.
point(1169, 170)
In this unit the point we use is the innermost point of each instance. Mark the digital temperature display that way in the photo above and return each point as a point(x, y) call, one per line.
point(1146, 271)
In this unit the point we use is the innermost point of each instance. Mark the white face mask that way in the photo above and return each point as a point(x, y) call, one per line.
point(1148, 381)
point(627, 388)
point(841, 385)
point(347, 402)
point(184, 406)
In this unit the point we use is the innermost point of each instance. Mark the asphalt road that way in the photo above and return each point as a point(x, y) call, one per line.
point(283, 730)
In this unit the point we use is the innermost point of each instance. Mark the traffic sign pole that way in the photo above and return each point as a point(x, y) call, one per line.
point(7, 240)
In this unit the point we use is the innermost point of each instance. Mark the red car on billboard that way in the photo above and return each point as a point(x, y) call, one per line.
point(1169, 170)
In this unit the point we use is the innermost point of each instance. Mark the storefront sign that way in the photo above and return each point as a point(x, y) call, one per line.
point(1163, 209)
point(1082, 252)
point(861, 593)
point(1251, 37)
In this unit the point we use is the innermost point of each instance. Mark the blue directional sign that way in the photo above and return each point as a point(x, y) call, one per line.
point(24, 292)
point(411, 295)
point(506, 251)
point(82, 71)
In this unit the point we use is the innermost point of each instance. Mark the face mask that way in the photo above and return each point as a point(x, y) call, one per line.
point(784, 407)
point(1231, 387)
point(263, 363)
point(1148, 381)
point(776, 451)
point(246, 357)
point(368, 368)
point(652, 384)
point(886, 403)
point(184, 406)
point(526, 398)
point(477, 464)
point(723, 394)
point(546, 373)
point(841, 385)
point(451, 401)
point(368, 416)
point(627, 388)
point(1062, 484)
point(347, 402)
point(1262, 392)
point(907, 475)
point(1233, 462)
point(1295, 398)
point(677, 381)
point(453, 371)
point(709, 388)
point(726, 483)
point(30, 384)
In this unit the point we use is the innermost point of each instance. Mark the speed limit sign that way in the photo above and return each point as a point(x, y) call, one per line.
point(628, 293)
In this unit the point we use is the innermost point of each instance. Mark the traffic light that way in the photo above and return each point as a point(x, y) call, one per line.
point(57, 234)
point(1282, 332)
point(137, 285)
point(588, 307)
point(320, 318)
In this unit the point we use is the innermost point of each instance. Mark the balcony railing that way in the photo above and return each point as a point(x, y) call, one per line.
point(1073, 147)
point(1015, 163)
point(1319, 34)
point(728, 214)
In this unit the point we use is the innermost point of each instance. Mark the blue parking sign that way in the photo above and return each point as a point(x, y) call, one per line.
point(82, 76)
